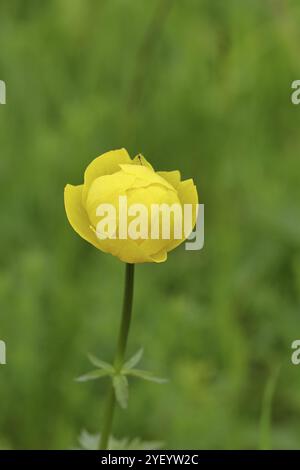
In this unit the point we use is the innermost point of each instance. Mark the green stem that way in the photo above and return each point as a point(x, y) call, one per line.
point(120, 353)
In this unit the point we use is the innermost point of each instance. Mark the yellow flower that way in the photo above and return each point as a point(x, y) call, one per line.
point(114, 174)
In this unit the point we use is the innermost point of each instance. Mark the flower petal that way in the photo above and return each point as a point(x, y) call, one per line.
point(130, 252)
point(106, 190)
point(187, 193)
point(160, 257)
point(107, 164)
point(145, 176)
point(173, 177)
point(141, 160)
point(77, 215)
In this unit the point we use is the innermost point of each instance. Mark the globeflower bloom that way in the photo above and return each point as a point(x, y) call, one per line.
point(114, 175)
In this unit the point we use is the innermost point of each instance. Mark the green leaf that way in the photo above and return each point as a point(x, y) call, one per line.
point(89, 441)
point(133, 444)
point(120, 384)
point(146, 375)
point(99, 363)
point(134, 360)
point(93, 375)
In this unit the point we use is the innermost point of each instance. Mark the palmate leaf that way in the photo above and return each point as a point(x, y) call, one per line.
point(120, 384)
point(133, 444)
point(100, 364)
point(134, 360)
point(119, 378)
point(93, 375)
point(89, 441)
point(146, 375)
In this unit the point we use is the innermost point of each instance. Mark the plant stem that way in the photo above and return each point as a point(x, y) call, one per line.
point(120, 353)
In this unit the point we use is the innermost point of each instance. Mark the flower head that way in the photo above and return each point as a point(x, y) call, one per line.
point(108, 181)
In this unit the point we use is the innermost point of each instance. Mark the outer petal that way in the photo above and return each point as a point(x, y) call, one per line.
point(187, 193)
point(77, 215)
point(130, 252)
point(173, 177)
point(141, 160)
point(107, 164)
point(160, 257)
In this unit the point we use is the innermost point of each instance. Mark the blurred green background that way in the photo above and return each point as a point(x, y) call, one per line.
point(202, 86)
